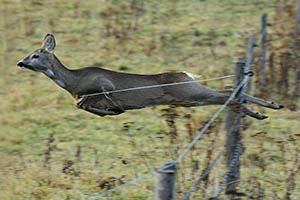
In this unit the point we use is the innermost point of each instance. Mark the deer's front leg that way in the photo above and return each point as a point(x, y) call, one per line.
point(91, 106)
point(98, 105)
point(102, 112)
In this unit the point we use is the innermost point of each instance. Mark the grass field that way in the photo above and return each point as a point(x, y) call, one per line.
point(51, 150)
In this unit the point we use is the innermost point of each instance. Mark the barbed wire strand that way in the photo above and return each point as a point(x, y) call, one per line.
point(204, 175)
point(156, 86)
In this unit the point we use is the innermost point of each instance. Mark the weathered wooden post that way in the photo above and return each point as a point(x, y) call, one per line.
point(234, 145)
point(271, 70)
point(262, 80)
point(164, 182)
point(234, 133)
point(295, 54)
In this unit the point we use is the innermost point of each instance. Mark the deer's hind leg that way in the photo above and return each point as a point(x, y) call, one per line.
point(255, 100)
point(195, 94)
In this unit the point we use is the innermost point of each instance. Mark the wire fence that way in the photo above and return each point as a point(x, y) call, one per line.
point(188, 147)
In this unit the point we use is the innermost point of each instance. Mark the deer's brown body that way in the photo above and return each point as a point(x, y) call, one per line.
point(83, 82)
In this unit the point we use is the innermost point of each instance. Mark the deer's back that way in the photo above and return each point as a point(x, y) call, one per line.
point(142, 97)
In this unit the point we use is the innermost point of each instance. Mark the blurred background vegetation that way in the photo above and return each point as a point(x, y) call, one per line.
point(51, 150)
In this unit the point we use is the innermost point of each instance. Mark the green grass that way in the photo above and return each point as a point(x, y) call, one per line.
point(201, 37)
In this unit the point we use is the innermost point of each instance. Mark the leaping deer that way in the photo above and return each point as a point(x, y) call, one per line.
point(85, 85)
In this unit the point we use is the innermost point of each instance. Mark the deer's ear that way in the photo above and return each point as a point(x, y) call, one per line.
point(49, 43)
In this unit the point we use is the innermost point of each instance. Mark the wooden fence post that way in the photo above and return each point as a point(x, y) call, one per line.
point(271, 74)
point(264, 24)
point(164, 182)
point(233, 136)
point(234, 145)
point(295, 54)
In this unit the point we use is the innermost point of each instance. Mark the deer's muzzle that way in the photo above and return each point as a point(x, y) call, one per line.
point(23, 65)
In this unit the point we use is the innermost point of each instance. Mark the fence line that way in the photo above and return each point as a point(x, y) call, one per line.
point(181, 156)
point(236, 154)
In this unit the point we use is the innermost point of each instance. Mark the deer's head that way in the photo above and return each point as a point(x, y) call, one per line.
point(41, 60)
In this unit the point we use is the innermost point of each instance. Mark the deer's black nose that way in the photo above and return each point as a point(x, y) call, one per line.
point(21, 64)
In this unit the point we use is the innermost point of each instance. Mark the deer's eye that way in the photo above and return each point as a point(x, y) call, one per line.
point(35, 56)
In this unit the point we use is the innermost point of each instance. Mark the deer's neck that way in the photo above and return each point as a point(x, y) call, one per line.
point(62, 76)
